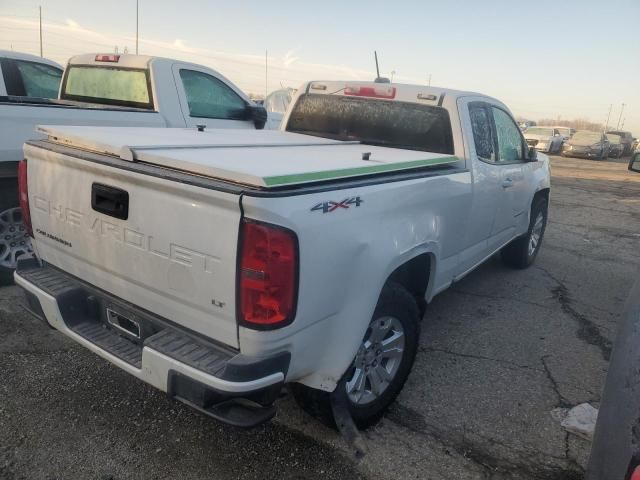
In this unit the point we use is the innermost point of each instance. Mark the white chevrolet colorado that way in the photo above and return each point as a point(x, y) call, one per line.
point(103, 89)
point(220, 265)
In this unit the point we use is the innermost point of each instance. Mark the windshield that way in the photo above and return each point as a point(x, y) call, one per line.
point(540, 131)
point(108, 85)
point(564, 131)
point(585, 138)
point(374, 122)
point(613, 138)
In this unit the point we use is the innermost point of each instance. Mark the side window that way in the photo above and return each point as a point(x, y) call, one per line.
point(208, 97)
point(509, 138)
point(482, 134)
point(31, 79)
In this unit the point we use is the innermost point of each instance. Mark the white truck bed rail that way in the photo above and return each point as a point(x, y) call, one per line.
point(239, 156)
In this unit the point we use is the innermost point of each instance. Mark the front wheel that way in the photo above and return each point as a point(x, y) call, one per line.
point(522, 251)
point(381, 365)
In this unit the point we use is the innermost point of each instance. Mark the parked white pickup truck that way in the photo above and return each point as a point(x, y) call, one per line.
point(105, 89)
point(220, 265)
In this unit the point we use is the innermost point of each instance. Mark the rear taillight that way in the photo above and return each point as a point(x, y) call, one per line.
point(23, 195)
point(636, 474)
point(268, 275)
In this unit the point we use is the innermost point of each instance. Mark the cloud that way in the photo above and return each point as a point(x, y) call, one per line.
point(247, 70)
point(289, 58)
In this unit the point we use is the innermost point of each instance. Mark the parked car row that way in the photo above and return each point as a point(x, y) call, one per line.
point(582, 143)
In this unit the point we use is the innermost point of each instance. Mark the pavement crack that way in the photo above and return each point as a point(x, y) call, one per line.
point(507, 363)
point(478, 450)
point(498, 297)
point(588, 331)
point(562, 401)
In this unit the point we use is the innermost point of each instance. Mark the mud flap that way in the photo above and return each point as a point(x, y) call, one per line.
point(344, 421)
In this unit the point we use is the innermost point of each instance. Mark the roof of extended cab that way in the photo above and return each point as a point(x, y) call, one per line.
point(124, 60)
point(28, 58)
point(403, 92)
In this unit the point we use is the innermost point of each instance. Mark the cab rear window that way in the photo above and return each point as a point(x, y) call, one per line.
point(374, 122)
point(108, 86)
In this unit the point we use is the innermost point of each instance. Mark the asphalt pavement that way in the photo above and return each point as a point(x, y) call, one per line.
point(499, 351)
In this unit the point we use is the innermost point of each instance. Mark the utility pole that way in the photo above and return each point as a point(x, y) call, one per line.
point(429, 80)
point(137, 23)
point(266, 73)
point(620, 117)
point(40, 8)
point(622, 126)
point(608, 116)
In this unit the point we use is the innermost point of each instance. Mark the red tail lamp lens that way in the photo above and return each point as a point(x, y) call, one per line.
point(268, 281)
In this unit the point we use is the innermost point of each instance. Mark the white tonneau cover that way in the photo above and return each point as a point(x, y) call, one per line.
point(261, 158)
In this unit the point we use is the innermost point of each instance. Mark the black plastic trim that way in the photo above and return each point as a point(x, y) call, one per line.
point(244, 410)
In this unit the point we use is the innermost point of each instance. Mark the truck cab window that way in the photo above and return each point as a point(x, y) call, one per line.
point(482, 134)
point(208, 97)
point(30, 79)
point(510, 148)
point(39, 80)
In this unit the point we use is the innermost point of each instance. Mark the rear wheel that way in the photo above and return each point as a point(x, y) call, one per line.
point(14, 240)
point(381, 365)
point(522, 251)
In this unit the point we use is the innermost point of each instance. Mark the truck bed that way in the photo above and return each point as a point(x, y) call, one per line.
point(258, 158)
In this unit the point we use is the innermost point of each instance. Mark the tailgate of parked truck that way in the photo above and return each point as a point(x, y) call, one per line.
point(164, 246)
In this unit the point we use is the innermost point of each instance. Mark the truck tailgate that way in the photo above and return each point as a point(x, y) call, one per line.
point(172, 252)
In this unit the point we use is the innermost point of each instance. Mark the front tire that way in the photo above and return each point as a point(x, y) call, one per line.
point(381, 366)
point(522, 251)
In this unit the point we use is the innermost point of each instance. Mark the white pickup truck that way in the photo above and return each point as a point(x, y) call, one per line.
point(220, 265)
point(103, 89)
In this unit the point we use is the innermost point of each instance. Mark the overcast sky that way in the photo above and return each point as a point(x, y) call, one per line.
point(570, 58)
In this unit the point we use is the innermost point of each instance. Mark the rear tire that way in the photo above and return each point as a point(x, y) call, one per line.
point(522, 251)
point(13, 239)
point(395, 327)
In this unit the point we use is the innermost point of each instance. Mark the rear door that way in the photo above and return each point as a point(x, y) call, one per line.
point(165, 246)
point(206, 99)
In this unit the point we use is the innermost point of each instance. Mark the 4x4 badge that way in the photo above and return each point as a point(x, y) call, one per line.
point(331, 206)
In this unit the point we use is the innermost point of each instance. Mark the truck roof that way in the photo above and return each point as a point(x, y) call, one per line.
point(402, 92)
point(28, 58)
point(259, 158)
point(126, 60)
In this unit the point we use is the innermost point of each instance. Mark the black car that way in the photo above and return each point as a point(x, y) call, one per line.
point(587, 144)
point(616, 147)
point(625, 138)
point(615, 454)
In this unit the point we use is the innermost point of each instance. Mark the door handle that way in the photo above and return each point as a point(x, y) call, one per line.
point(110, 201)
point(507, 182)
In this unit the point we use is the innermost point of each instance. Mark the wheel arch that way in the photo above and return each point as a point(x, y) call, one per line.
point(415, 275)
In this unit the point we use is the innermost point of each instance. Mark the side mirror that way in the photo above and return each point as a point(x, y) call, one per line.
point(634, 163)
point(258, 114)
point(532, 154)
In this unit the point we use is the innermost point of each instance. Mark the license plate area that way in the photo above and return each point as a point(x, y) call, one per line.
point(125, 325)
